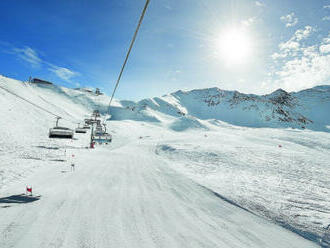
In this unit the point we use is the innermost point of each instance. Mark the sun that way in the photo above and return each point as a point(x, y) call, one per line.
point(234, 46)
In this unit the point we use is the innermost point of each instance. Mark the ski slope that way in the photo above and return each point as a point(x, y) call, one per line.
point(282, 175)
point(171, 178)
point(125, 195)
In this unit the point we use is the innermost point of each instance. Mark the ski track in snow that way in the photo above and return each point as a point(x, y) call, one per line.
point(289, 185)
point(129, 197)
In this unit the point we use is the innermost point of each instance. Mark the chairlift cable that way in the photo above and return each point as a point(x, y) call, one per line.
point(32, 103)
point(128, 52)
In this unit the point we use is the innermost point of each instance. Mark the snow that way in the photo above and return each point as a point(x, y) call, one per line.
point(306, 109)
point(178, 173)
point(24, 143)
point(126, 195)
point(289, 184)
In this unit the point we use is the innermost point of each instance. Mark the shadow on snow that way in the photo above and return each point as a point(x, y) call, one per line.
point(19, 199)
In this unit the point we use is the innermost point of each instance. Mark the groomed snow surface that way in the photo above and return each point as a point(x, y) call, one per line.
point(165, 181)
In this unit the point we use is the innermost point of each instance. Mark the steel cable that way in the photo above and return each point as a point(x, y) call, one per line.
point(129, 51)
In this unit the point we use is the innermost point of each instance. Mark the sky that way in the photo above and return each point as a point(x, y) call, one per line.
point(245, 45)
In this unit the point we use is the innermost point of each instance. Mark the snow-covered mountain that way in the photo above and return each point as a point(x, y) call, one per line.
point(188, 109)
point(237, 146)
point(305, 109)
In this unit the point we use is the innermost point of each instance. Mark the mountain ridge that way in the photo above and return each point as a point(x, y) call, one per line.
point(197, 108)
point(277, 109)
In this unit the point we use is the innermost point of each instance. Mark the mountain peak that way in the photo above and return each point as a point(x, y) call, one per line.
point(278, 92)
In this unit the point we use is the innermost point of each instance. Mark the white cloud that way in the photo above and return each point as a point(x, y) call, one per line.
point(326, 7)
point(310, 51)
point(290, 20)
point(276, 56)
point(325, 48)
point(31, 56)
point(326, 40)
point(250, 21)
point(260, 4)
point(63, 73)
point(303, 66)
point(289, 45)
point(303, 33)
point(28, 54)
point(326, 18)
point(293, 46)
point(304, 72)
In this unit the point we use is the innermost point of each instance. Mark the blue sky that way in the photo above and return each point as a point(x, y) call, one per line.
point(184, 44)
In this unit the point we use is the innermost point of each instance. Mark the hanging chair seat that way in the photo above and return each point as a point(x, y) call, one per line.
point(86, 127)
point(61, 132)
point(102, 138)
point(80, 130)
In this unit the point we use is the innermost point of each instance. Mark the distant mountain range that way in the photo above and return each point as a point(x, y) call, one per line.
point(201, 108)
point(304, 109)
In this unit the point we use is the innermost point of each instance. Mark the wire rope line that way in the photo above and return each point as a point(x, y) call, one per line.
point(32, 103)
point(128, 52)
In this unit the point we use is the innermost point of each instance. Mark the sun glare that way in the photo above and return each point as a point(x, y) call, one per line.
point(234, 46)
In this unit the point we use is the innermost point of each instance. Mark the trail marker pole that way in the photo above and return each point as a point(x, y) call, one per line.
point(28, 189)
point(72, 162)
point(92, 142)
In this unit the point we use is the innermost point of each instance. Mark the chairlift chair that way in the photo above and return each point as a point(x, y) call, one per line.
point(96, 113)
point(99, 128)
point(99, 131)
point(60, 132)
point(80, 129)
point(88, 121)
point(102, 138)
point(87, 124)
point(86, 127)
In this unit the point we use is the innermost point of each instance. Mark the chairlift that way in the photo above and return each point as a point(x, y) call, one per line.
point(88, 121)
point(102, 138)
point(86, 127)
point(80, 129)
point(100, 134)
point(60, 132)
point(99, 131)
point(99, 128)
point(87, 124)
point(96, 114)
